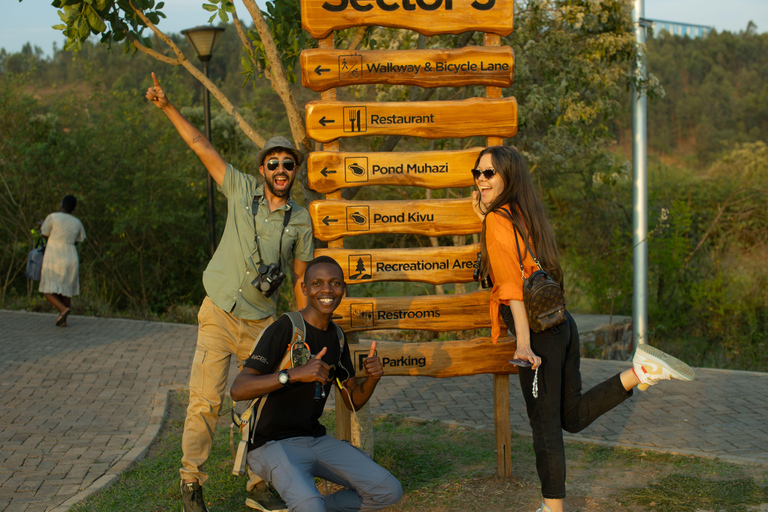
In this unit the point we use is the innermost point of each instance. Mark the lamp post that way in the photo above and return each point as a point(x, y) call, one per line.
point(203, 39)
point(639, 184)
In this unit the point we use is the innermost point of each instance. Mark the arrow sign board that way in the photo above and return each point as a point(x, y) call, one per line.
point(333, 219)
point(328, 171)
point(424, 312)
point(434, 265)
point(490, 66)
point(330, 120)
point(429, 17)
point(438, 358)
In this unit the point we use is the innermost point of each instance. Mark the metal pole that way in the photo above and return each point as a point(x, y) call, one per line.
point(211, 206)
point(639, 185)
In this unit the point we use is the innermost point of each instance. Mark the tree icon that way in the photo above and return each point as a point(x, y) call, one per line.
point(360, 271)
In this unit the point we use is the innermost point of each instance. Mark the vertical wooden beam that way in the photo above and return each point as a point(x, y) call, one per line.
point(493, 92)
point(343, 426)
point(502, 426)
point(501, 419)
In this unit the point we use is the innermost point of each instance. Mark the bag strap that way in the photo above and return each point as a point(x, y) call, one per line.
point(299, 328)
point(286, 220)
point(527, 247)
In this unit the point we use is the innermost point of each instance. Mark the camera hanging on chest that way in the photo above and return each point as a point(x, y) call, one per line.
point(270, 276)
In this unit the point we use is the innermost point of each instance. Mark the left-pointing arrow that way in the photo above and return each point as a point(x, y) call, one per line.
point(327, 220)
point(323, 121)
point(320, 70)
point(325, 172)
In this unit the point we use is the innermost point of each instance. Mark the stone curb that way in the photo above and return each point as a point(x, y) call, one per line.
point(138, 452)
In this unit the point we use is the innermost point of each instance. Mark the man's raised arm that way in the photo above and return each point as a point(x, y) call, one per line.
point(194, 138)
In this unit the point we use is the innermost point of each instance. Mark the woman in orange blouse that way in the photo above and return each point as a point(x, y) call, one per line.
point(551, 386)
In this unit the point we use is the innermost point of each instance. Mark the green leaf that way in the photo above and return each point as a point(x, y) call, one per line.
point(223, 15)
point(94, 20)
point(160, 5)
point(210, 8)
point(210, 20)
point(59, 27)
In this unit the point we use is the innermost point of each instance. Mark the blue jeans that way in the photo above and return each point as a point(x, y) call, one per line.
point(561, 404)
point(291, 465)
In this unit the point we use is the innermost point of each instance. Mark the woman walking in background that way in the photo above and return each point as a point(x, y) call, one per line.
point(60, 276)
point(509, 206)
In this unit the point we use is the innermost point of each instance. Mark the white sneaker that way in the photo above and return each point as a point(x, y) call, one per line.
point(651, 365)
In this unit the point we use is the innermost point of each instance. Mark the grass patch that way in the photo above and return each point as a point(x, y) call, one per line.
point(445, 468)
point(690, 493)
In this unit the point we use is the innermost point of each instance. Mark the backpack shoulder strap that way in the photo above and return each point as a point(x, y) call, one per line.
point(299, 328)
point(340, 334)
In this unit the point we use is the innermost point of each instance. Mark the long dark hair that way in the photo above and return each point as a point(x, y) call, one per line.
point(526, 210)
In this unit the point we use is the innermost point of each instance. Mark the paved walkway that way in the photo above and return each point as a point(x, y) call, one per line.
point(79, 405)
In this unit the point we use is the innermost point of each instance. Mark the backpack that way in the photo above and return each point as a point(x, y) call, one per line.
point(246, 413)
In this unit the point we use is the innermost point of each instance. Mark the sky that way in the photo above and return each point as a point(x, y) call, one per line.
point(31, 20)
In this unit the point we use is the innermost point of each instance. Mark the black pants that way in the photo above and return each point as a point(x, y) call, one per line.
point(561, 404)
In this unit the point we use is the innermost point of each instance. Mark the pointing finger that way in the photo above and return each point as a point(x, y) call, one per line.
point(372, 352)
point(321, 353)
point(154, 79)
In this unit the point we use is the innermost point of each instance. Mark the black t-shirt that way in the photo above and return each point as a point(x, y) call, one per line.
point(292, 411)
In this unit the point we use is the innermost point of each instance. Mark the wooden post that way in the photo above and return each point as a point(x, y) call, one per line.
point(501, 412)
point(502, 426)
point(343, 430)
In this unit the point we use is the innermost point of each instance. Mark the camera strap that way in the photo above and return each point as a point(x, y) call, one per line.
point(286, 220)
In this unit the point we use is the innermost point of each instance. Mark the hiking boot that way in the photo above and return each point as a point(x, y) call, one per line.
point(192, 497)
point(651, 365)
point(262, 498)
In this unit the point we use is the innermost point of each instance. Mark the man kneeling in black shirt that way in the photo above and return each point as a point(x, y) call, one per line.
point(290, 446)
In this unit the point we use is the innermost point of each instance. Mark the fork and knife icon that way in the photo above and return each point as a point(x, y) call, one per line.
point(354, 117)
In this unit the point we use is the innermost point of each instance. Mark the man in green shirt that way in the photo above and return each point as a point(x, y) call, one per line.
point(264, 227)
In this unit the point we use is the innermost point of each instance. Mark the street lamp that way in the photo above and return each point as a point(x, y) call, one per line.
point(203, 39)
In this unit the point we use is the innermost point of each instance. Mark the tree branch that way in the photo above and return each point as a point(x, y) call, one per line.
point(279, 78)
point(709, 231)
point(354, 43)
point(207, 83)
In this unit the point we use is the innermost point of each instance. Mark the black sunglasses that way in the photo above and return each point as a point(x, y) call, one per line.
point(488, 173)
point(288, 165)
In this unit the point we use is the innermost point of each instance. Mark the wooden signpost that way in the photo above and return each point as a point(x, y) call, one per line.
point(328, 171)
point(429, 17)
point(426, 312)
point(324, 69)
point(472, 65)
point(330, 120)
point(334, 219)
point(426, 265)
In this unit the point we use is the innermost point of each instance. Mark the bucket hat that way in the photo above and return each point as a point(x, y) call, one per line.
point(278, 142)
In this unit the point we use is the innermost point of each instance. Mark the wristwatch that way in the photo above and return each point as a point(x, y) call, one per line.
point(283, 377)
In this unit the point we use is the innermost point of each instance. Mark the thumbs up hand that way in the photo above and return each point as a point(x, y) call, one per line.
point(372, 364)
point(316, 370)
